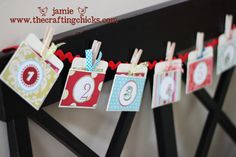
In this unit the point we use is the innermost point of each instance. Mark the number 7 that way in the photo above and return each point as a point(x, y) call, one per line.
point(30, 75)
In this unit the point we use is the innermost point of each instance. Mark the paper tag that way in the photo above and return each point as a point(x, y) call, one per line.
point(82, 87)
point(199, 70)
point(29, 75)
point(127, 91)
point(226, 55)
point(166, 84)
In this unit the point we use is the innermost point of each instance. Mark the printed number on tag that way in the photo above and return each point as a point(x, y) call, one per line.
point(29, 75)
point(128, 93)
point(83, 89)
point(228, 55)
point(167, 88)
point(200, 73)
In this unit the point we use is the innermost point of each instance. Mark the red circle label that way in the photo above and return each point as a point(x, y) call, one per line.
point(30, 75)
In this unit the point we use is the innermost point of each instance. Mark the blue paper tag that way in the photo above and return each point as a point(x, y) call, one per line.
point(126, 94)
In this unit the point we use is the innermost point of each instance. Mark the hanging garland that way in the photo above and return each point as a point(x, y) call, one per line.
point(68, 56)
point(85, 77)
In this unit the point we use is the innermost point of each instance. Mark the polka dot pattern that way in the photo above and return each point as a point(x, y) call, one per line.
point(119, 81)
point(65, 94)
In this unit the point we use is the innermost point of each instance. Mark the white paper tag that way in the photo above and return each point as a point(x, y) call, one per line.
point(226, 55)
point(166, 84)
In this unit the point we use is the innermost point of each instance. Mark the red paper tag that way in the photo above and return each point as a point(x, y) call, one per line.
point(199, 70)
point(200, 74)
point(82, 89)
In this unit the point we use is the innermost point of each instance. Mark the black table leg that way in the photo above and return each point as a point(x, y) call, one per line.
point(120, 135)
point(19, 137)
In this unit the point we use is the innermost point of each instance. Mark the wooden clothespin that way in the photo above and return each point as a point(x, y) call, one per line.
point(95, 49)
point(169, 54)
point(228, 25)
point(134, 60)
point(170, 51)
point(200, 44)
point(136, 56)
point(47, 38)
point(91, 56)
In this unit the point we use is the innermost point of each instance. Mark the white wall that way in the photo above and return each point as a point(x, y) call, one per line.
point(95, 127)
point(14, 33)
